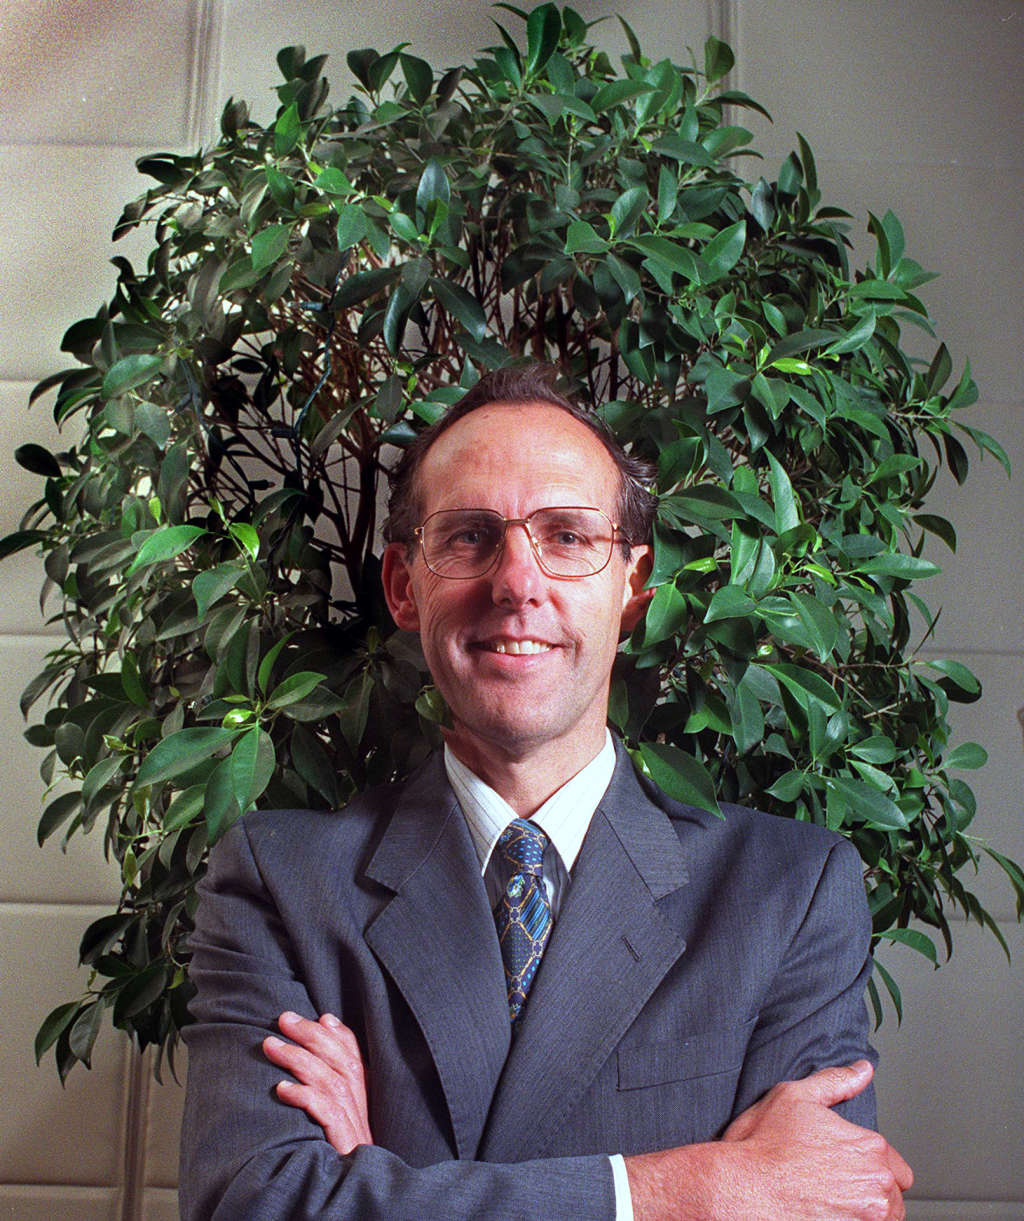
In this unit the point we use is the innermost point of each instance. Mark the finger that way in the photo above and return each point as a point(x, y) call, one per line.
point(829, 1086)
point(343, 1122)
point(902, 1172)
point(307, 1066)
point(328, 1039)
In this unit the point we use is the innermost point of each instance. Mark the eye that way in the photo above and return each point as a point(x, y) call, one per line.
point(567, 538)
point(471, 536)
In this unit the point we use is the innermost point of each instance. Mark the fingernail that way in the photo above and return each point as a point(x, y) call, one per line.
point(288, 1017)
point(273, 1041)
point(330, 1020)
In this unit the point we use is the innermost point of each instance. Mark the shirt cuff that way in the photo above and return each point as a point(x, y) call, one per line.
point(623, 1200)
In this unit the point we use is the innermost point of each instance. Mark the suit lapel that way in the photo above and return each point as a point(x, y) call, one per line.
point(610, 948)
point(436, 939)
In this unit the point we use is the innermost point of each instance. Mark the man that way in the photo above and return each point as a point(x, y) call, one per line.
point(679, 1049)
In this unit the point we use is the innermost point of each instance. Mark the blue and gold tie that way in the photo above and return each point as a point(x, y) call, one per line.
point(523, 913)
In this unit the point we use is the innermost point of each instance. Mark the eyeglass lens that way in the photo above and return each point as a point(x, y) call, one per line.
point(568, 542)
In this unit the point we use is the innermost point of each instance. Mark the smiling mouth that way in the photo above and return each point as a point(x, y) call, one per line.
point(517, 648)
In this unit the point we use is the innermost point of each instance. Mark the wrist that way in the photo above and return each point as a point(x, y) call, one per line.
point(683, 1184)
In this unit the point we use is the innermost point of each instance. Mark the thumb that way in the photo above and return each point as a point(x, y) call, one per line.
point(831, 1085)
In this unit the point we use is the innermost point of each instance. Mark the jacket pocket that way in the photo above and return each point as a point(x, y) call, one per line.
point(702, 1054)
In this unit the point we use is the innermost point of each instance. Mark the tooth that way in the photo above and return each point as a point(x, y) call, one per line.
point(518, 648)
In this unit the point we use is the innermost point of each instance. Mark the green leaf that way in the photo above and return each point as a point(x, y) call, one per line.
point(915, 939)
point(352, 226)
point(461, 305)
point(181, 751)
point(246, 536)
point(295, 687)
point(671, 254)
point(287, 130)
point(680, 775)
point(38, 460)
point(787, 515)
point(891, 987)
point(19, 540)
point(281, 187)
point(83, 1032)
point(718, 59)
point(314, 765)
point(268, 245)
point(968, 755)
point(957, 675)
point(418, 76)
point(627, 208)
point(184, 807)
point(333, 182)
point(140, 992)
point(724, 250)
point(542, 30)
point(130, 372)
point(803, 684)
point(210, 586)
point(790, 364)
point(164, 544)
point(747, 718)
point(355, 710)
point(856, 337)
point(667, 613)
point(819, 623)
point(100, 774)
point(698, 504)
point(617, 92)
point(896, 564)
point(894, 465)
point(56, 814)
point(359, 62)
point(582, 238)
point(267, 664)
point(433, 185)
point(800, 341)
point(729, 602)
point(1013, 871)
point(220, 809)
point(987, 444)
point(876, 749)
point(252, 766)
point(870, 805)
point(684, 151)
point(54, 1025)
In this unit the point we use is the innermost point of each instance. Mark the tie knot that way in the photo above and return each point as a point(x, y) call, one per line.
point(522, 844)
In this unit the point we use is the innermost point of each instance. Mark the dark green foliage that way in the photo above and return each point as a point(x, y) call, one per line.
point(320, 288)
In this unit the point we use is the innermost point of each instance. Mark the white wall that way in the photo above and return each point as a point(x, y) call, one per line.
point(913, 104)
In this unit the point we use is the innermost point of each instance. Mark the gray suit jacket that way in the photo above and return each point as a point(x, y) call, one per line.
point(695, 963)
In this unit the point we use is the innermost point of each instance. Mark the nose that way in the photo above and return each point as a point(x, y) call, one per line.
point(516, 577)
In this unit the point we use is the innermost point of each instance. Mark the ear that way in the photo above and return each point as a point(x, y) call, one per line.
point(396, 577)
point(634, 597)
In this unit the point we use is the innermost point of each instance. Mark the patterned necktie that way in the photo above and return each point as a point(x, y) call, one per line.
point(523, 913)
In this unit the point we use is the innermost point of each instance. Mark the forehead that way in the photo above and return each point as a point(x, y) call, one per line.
point(516, 457)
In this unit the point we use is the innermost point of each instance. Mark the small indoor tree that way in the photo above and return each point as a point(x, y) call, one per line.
point(319, 289)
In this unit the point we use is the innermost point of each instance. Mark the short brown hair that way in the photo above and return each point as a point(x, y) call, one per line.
point(522, 384)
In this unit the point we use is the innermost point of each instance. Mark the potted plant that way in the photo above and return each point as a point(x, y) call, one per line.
point(320, 288)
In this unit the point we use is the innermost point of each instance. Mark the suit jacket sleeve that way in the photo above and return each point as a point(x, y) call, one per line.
point(248, 1157)
point(814, 1014)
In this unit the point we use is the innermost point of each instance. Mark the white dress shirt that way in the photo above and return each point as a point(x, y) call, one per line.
point(564, 819)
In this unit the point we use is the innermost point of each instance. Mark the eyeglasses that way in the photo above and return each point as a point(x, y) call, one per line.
point(567, 542)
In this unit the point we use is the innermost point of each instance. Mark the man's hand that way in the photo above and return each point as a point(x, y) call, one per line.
point(330, 1084)
point(788, 1158)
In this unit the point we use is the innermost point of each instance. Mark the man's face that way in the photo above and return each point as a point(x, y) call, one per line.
point(523, 659)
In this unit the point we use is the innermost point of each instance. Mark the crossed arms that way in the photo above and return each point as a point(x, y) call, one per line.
point(788, 1156)
point(283, 928)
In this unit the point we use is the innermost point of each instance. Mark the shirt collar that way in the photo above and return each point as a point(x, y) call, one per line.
point(564, 817)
